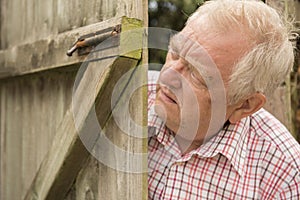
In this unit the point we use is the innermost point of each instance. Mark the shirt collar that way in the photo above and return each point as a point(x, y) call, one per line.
point(231, 141)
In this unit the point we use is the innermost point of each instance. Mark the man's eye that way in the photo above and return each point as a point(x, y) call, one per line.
point(194, 76)
point(198, 82)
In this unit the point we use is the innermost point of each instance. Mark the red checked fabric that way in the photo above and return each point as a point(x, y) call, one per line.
point(256, 158)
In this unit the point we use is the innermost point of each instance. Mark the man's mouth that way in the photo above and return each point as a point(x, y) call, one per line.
point(166, 96)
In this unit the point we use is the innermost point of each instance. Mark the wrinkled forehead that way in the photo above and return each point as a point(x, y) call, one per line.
point(187, 47)
point(212, 46)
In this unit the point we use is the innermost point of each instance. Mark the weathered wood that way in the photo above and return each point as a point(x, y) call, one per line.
point(68, 153)
point(65, 159)
point(278, 104)
point(2, 138)
point(118, 183)
point(113, 183)
point(31, 148)
point(87, 181)
point(31, 20)
point(49, 53)
point(31, 108)
point(34, 38)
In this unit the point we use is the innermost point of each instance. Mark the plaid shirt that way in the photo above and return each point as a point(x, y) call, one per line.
point(256, 158)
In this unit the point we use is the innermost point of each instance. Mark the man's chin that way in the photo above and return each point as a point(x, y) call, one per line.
point(160, 111)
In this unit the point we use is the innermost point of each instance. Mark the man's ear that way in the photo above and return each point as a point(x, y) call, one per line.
point(247, 107)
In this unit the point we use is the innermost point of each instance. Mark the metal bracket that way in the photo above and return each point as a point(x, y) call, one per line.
point(86, 43)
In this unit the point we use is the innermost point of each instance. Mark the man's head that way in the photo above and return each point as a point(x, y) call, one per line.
point(248, 44)
point(268, 50)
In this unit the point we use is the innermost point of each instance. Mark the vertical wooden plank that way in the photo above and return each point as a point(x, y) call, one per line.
point(87, 181)
point(31, 108)
point(37, 138)
point(14, 144)
point(1, 135)
point(296, 90)
point(280, 103)
point(2, 143)
point(29, 140)
point(129, 184)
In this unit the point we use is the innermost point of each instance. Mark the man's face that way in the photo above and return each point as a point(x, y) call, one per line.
point(189, 84)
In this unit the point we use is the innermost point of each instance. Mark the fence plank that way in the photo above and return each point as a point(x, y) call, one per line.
point(49, 53)
point(26, 22)
point(31, 109)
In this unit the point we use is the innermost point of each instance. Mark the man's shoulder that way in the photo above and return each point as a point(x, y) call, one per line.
point(276, 138)
point(266, 124)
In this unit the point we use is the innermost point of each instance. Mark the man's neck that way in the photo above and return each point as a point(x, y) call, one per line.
point(187, 146)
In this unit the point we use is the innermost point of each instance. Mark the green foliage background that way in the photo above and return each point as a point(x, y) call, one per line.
point(171, 14)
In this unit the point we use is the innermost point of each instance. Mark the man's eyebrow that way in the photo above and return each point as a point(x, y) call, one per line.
point(175, 43)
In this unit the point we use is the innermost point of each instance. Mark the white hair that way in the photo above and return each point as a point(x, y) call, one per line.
point(269, 60)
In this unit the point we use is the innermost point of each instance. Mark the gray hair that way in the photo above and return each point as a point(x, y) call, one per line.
point(269, 60)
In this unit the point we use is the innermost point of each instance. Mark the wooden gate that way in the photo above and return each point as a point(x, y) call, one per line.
point(42, 152)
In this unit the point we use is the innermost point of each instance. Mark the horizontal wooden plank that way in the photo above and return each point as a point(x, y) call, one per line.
point(36, 19)
point(50, 53)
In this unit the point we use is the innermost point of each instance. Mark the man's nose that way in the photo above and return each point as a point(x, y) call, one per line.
point(172, 75)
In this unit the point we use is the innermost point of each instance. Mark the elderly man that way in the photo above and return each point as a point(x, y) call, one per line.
point(209, 137)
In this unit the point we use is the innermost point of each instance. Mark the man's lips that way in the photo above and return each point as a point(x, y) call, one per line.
point(166, 96)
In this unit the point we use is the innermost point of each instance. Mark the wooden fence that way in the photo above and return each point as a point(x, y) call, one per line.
point(42, 152)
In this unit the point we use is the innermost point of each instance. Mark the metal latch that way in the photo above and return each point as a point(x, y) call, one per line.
point(86, 43)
